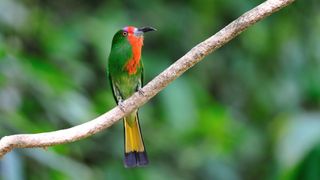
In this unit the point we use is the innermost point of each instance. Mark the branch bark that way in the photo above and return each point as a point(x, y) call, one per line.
point(107, 119)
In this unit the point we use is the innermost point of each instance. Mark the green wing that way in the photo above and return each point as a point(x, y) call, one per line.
point(142, 74)
point(111, 86)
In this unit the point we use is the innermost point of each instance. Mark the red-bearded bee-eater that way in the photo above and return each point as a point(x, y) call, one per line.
point(125, 72)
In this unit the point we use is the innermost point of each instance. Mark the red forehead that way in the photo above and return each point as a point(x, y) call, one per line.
point(130, 29)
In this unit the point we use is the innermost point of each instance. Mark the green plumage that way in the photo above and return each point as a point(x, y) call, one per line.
point(126, 84)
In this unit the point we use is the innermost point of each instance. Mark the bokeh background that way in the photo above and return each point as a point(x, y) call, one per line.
point(251, 110)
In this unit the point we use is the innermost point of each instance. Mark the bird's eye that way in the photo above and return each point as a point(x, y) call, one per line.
point(124, 33)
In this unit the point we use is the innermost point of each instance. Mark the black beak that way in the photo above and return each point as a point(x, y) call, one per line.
point(147, 29)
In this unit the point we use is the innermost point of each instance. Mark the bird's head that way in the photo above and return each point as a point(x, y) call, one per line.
point(131, 34)
point(136, 32)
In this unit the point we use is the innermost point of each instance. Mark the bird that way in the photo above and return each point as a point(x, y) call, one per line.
point(125, 73)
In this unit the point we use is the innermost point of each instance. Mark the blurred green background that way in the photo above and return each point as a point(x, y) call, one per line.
point(248, 111)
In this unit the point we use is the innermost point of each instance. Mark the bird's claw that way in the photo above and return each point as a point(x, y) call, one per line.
point(141, 92)
point(121, 106)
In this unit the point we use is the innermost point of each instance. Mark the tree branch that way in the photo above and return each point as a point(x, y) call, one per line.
point(104, 121)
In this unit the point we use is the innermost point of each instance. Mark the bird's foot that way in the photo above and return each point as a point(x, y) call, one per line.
point(121, 106)
point(141, 92)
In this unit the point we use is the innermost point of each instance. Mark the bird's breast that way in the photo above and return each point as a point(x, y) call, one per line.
point(134, 62)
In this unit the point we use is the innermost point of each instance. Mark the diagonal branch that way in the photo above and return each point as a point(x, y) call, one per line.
point(107, 119)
